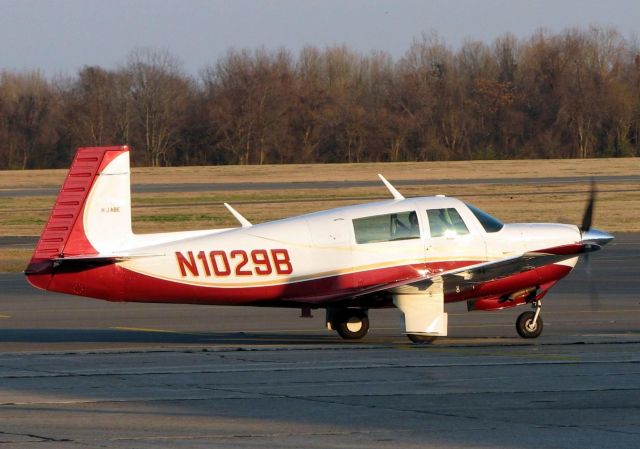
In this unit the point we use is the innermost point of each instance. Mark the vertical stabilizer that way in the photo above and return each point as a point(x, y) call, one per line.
point(92, 213)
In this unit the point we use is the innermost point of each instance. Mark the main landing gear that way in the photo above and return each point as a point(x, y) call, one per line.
point(351, 324)
point(529, 324)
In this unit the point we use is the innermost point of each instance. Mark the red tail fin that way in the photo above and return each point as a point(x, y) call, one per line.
point(64, 233)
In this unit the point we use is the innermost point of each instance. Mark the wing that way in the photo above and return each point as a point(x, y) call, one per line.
point(492, 270)
point(497, 269)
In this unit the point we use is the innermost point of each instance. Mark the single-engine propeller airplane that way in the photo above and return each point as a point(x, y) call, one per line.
point(412, 253)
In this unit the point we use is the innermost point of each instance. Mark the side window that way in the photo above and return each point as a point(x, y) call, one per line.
point(387, 227)
point(447, 222)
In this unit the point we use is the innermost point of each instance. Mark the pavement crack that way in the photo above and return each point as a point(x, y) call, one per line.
point(260, 435)
point(288, 368)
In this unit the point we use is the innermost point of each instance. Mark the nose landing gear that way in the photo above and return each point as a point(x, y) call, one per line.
point(529, 324)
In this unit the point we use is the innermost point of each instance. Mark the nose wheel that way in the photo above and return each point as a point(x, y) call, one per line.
point(529, 324)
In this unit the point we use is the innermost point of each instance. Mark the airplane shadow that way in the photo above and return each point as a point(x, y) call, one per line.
point(44, 336)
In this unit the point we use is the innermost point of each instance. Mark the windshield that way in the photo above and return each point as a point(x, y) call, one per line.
point(489, 223)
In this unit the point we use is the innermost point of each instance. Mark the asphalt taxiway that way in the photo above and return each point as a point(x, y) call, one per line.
point(76, 372)
point(329, 185)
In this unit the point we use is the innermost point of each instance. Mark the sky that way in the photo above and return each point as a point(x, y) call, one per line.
point(60, 36)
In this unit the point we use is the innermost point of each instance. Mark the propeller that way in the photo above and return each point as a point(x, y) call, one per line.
point(587, 217)
point(594, 297)
point(587, 220)
point(592, 238)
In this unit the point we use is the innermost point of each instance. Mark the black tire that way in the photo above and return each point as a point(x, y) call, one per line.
point(525, 326)
point(351, 324)
point(422, 339)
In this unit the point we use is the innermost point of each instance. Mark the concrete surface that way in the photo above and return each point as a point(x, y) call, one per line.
point(77, 372)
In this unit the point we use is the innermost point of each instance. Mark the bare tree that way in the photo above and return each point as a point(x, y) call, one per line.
point(159, 95)
point(28, 104)
point(569, 94)
point(249, 99)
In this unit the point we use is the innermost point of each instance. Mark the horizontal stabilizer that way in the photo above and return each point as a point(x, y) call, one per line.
point(106, 258)
point(83, 261)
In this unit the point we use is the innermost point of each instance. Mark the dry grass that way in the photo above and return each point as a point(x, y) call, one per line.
point(14, 260)
point(341, 172)
point(617, 209)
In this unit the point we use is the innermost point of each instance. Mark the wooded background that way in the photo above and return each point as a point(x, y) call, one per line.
point(573, 94)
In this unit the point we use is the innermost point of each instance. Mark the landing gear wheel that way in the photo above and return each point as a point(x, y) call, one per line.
point(527, 327)
point(421, 339)
point(352, 324)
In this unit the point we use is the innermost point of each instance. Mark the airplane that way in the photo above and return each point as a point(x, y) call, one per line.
point(416, 254)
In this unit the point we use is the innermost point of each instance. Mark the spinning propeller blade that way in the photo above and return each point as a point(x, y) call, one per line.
point(587, 217)
point(585, 229)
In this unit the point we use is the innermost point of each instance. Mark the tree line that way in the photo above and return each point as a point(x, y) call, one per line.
point(572, 94)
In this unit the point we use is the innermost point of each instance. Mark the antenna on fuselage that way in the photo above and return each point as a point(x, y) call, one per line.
point(396, 195)
point(243, 221)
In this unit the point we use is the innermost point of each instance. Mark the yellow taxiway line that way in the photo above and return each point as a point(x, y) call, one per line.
point(144, 329)
point(158, 331)
point(5, 316)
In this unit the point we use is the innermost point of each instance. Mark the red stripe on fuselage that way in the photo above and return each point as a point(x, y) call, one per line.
point(114, 283)
point(119, 284)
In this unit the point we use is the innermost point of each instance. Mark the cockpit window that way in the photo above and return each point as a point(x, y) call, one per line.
point(489, 223)
point(446, 222)
point(387, 227)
